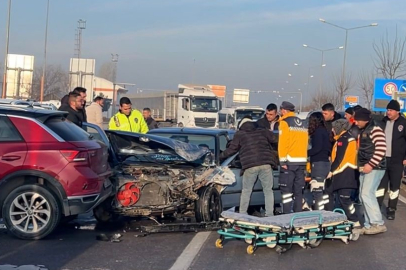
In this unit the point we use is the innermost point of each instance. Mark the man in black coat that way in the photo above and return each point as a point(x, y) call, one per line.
point(330, 115)
point(152, 124)
point(74, 108)
point(256, 158)
point(82, 92)
point(270, 119)
point(394, 126)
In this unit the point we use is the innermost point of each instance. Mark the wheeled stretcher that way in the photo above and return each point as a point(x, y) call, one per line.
point(307, 229)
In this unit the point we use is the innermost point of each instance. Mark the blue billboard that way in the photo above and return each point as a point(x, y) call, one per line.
point(383, 91)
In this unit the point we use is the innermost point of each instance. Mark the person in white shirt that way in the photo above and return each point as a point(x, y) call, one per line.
point(95, 112)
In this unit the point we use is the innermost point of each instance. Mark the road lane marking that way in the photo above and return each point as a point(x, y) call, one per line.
point(402, 199)
point(189, 253)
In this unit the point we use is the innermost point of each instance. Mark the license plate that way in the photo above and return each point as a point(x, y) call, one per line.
point(106, 183)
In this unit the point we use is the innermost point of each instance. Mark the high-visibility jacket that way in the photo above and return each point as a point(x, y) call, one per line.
point(344, 154)
point(133, 123)
point(293, 140)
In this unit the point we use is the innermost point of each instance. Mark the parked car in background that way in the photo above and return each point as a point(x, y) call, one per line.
point(50, 169)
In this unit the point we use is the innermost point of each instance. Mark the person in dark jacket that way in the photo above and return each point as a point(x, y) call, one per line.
point(82, 92)
point(394, 126)
point(152, 124)
point(74, 109)
point(330, 115)
point(341, 178)
point(319, 155)
point(270, 119)
point(256, 159)
point(372, 165)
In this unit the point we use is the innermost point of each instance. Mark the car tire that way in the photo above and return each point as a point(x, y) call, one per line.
point(31, 212)
point(103, 213)
point(208, 207)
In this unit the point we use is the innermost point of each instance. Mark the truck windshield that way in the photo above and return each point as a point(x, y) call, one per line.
point(255, 114)
point(204, 105)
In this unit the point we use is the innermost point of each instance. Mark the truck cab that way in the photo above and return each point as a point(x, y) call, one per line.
point(198, 106)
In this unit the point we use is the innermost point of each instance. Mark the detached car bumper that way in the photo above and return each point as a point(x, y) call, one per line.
point(82, 204)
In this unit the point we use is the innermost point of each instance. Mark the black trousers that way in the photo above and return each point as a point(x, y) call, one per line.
point(392, 178)
point(291, 182)
point(344, 197)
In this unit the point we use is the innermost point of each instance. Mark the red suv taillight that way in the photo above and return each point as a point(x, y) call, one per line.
point(75, 155)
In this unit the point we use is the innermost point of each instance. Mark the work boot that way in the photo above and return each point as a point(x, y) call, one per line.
point(357, 229)
point(375, 229)
point(390, 213)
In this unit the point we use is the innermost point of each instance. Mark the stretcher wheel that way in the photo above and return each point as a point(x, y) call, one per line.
point(280, 250)
point(314, 242)
point(345, 241)
point(249, 241)
point(269, 239)
point(251, 249)
point(219, 243)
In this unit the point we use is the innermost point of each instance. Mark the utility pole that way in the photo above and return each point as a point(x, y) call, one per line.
point(45, 56)
point(4, 93)
point(114, 60)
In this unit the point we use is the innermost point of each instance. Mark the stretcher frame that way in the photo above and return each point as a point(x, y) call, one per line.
point(256, 235)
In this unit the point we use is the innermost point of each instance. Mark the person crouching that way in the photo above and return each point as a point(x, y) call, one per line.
point(341, 179)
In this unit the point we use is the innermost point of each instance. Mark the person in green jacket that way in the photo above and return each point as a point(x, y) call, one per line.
point(128, 119)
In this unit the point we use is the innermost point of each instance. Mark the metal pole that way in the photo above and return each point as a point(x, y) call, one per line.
point(114, 59)
point(321, 73)
point(345, 56)
point(4, 93)
point(45, 56)
point(301, 101)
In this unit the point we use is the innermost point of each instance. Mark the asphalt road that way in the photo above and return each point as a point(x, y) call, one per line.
point(73, 247)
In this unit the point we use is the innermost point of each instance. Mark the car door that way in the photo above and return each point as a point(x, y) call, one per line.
point(13, 148)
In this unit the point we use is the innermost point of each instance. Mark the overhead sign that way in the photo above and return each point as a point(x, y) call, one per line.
point(383, 92)
point(351, 101)
point(241, 96)
point(81, 73)
point(218, 90)
point(20, 70)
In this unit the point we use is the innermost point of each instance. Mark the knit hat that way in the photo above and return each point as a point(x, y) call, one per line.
point(393, 105)
point(340, 125)
point(362, 115)
point(286, 105)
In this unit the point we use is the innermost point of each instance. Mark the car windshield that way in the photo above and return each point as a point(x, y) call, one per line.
point(203, 141)
point(255, 114)
point(204, 105)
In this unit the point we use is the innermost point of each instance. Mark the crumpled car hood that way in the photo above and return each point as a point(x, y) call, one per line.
point(152, 148)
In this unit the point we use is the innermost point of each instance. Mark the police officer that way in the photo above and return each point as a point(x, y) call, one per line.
point(128, 119)
point(395, 130)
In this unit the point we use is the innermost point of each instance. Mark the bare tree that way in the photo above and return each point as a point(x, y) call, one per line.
point(341, 88)
point(319, 99)
point(106, 71)
point(390, 59)
point(366, 86)
point(56, 81)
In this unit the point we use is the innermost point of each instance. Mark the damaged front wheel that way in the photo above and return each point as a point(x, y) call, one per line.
point(209, 206)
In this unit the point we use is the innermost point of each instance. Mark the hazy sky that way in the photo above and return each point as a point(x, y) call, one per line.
point(238, 43)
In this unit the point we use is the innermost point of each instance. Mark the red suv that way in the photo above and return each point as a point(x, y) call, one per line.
point(49, 169)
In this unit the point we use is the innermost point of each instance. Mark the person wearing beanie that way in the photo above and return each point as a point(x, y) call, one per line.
point(292, 150)
point(372, 165)
point(257, 159)
point(341, 179)
point(395, 130)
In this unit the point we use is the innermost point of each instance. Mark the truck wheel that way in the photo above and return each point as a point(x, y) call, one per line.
point(103, 213)
point(31, 212)
point(209, 206)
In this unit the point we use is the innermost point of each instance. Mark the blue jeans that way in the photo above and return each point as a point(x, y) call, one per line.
point(265, 175)
point(369, 184)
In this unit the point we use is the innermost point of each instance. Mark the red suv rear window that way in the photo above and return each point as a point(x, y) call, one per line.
point(67, 130)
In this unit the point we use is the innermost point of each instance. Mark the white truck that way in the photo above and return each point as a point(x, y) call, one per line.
point(191, 106)
point(229, 117)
